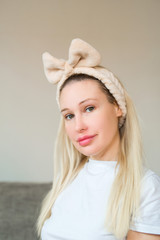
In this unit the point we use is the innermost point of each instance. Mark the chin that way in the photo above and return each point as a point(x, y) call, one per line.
point(88, 152)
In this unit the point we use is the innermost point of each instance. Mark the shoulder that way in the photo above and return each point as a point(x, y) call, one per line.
point(150, 175)
point(150, 191)
point(150, 183)
point(148, 216)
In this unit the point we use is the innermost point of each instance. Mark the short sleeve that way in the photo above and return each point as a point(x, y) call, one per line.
point(148, 219)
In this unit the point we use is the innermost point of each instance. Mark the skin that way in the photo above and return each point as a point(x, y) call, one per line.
point(132, 235)
point(87, 111)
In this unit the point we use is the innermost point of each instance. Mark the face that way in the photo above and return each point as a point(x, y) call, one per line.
point(91, 121)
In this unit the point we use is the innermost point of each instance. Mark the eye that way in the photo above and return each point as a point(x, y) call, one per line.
point(69, 116)
point(90, 109)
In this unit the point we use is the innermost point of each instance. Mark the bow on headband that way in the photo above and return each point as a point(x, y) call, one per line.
point(83, 59)
point(81, 54)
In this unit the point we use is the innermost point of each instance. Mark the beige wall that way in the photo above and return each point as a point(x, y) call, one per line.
point(126, 33)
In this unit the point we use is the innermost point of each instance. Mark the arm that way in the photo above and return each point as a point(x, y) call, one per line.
point(132, 235)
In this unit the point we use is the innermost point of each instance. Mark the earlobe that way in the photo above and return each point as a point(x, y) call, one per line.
point(118, 111)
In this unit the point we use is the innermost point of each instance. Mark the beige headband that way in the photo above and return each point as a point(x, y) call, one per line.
point(85, 59)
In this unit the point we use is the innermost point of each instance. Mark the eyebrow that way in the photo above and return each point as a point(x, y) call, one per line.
point(65, 109)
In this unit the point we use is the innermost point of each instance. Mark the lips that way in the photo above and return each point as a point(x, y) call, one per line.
point(85, 140)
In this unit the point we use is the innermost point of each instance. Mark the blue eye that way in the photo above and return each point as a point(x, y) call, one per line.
point(69, 116)
point(90, 109)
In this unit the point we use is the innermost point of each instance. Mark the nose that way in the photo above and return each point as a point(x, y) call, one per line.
point(80, 124)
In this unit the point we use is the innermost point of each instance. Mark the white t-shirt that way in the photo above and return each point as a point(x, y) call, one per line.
point(80, 210)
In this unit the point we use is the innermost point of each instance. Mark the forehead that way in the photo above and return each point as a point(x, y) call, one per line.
point(80, 90)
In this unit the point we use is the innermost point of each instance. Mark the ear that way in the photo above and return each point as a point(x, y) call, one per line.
point(118, 111)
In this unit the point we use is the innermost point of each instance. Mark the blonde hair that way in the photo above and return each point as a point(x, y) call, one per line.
point(125, 193)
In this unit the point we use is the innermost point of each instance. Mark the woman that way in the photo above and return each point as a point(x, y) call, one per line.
point(101, 190)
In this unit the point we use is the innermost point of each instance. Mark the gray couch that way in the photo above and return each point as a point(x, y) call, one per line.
point(19, 208)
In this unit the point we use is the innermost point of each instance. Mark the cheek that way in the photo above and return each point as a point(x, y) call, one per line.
point(69, 130)
point(107, 124)
point(72, 135)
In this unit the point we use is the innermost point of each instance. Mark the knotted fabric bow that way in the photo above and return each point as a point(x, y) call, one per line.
point(81, 54)
point(83, 59)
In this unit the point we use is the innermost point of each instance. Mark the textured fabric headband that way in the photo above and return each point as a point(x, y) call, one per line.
point(83, 59)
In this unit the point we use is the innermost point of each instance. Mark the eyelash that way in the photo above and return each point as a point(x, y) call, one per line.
point(90, 107)
point(66, 117)
point(70, 116)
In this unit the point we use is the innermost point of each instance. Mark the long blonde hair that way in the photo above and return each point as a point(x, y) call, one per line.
point(125, 193)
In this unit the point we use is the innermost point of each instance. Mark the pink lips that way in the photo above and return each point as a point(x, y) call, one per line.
point(84, 141)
